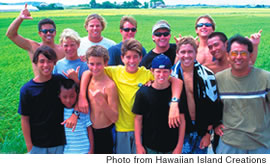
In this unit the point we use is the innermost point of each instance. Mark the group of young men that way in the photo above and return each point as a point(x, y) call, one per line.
point(196, 88)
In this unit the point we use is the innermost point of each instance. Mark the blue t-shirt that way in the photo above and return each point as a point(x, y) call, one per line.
point(41, 103)
point(115, 54)
point(65, 64)
point(77, 141)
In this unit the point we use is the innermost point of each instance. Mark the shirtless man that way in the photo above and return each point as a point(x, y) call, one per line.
point(217, 45)
point(103, 94)
point(199, 96)
point(204, 26)
point(47, 32)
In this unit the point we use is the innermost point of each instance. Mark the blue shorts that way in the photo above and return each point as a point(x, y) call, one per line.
point(224, 148)
point(47, 150)
point(125, 143)
point(192, 144)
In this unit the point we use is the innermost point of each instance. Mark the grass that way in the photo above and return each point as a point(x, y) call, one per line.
point(16, 69)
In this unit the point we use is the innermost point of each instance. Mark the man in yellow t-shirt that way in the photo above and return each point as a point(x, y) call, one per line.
point(128, 80)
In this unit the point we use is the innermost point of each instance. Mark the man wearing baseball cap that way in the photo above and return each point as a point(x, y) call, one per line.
point(151, 107)
point(161, 36)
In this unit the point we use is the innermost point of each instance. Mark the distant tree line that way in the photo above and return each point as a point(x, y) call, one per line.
point(125, 4)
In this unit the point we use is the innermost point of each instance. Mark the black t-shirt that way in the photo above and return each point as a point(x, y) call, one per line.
point(153, 104)
point(147, 59)
point(41, 103)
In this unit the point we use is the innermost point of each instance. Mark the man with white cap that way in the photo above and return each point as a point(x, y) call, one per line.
point(161, 36)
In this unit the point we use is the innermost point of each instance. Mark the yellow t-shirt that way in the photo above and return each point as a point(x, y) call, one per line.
point(127, 86)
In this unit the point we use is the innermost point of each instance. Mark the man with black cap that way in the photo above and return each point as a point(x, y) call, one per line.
point(151, 107)
point(161, 36)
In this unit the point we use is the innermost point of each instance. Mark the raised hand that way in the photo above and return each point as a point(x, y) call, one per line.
point(72, 74)
point(177, 39)
point(256, 38)
point(25, 14)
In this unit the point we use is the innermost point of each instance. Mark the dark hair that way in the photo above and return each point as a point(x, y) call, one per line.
point(129, 19)
point(45, 21)
point(241, 40)
point(221, 36)
point(69, 84)
point(131, 45)
point(47, 51)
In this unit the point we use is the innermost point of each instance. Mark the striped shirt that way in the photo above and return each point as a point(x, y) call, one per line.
point(77, 141)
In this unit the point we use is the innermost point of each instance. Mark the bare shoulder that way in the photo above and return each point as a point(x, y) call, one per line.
point(59, 51)
point(110, 83)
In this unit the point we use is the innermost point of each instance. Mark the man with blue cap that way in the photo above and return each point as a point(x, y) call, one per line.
point(151, 107)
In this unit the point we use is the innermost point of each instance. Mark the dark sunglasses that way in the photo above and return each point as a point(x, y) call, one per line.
point(206, 24)
point(158, 34)
point(129, 29)
point(44, 31)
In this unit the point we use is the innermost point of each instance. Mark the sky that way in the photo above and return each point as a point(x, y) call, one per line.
point(167, 2)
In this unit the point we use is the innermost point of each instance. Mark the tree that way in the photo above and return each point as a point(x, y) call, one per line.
point(108, 4)
point(93, 3)
point(136, 3)
point(146, 5)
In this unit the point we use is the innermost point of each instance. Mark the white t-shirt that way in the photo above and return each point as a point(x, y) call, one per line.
point(86, 43)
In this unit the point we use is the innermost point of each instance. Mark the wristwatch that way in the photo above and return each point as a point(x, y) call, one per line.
point(174, 99)
point(210, 131)
point(77, 113)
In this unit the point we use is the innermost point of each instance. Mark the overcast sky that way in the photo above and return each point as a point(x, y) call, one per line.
point(168, 2)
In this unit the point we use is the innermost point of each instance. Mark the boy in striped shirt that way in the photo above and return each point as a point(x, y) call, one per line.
point(79, 141)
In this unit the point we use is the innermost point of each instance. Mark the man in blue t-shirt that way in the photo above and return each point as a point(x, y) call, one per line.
point(128, 29)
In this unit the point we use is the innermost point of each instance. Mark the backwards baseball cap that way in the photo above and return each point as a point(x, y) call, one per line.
point(162, 62)
point(161, 24)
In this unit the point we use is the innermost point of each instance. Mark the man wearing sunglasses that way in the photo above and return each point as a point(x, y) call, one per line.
point(245, 93)
point(128, 29)
point(47, 32)
point(161, 36)
point(204, 26)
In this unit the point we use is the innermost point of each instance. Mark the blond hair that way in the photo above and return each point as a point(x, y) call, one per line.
point(206, 17)
point(70, 34)
point(95, 16)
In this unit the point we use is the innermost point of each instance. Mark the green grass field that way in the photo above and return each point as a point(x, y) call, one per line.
point(15, 66)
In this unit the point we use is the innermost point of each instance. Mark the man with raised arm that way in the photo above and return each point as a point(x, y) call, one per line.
point(47, 32)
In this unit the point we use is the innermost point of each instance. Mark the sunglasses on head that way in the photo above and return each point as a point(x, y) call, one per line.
point(236, 53)
point(129, 29)
point(45, 31)
point(206, 25)
point(159, 34)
